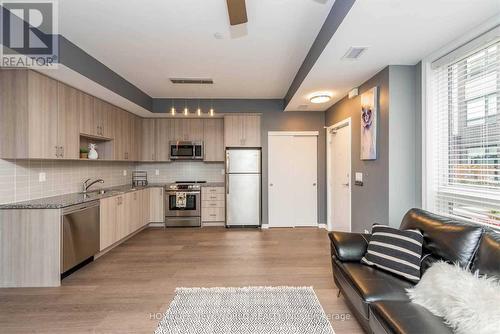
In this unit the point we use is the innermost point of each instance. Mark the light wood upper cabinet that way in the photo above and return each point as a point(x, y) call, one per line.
point(213, 133)
point(148, 140)
point(195, 129)
point(96, 117)
point(136, 145)
point(242, 131)
point(188, 129)
point(36, 117)
point(87, 124)
point(164, 134)
point(68, 139)
point(124, 135)
point(104, 121)
point(42, 117)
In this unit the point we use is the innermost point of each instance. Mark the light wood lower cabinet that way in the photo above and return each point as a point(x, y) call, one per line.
point(156, 205)
point(123, 215)
point(212, 204)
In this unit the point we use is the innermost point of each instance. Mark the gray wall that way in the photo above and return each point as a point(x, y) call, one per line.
point(370, 203)
point(402, 142)
point(392, 183)
point(295, 121)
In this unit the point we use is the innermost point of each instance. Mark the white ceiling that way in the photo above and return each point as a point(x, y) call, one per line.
point(396, 32)
point(149, 41)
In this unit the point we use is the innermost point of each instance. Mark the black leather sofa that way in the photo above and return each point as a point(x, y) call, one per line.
point(378, 298)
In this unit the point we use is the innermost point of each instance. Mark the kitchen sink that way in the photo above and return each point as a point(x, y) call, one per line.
point(95, 192)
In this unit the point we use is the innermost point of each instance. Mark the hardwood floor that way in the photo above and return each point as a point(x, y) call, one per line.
point(125, 290)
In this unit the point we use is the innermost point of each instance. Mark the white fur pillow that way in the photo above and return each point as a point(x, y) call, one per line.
point(469, 303)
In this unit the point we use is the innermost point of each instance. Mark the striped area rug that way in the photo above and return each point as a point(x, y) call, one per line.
point(249, 310)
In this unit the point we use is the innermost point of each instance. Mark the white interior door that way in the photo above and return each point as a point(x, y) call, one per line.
point(304, 181)
point(292, 188)
point(340, 179)
point(279, 176)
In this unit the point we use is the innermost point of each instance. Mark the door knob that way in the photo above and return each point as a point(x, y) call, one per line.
point(346, 184)
point(314, 184)
point(270, 184)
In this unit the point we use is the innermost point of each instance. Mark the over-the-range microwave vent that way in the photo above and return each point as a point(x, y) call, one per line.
point(192, 81)
point(354, 53)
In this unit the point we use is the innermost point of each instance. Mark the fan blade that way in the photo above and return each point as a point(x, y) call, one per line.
point(237, 12)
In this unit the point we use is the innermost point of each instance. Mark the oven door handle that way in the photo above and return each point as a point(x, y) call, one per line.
point(184, 192)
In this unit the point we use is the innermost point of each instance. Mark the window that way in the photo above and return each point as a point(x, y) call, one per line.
point(465, 130)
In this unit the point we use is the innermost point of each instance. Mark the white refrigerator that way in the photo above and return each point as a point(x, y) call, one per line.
point(243, 187)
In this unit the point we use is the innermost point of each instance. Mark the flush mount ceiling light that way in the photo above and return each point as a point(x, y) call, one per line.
point(320, 98)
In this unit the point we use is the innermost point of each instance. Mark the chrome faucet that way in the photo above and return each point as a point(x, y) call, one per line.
point(86, 186)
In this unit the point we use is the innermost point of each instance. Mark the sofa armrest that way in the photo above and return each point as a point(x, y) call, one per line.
point(349, 246)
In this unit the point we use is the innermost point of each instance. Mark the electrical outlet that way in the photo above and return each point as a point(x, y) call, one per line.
point(124, 172)
point(157, 172)
point(42, 177)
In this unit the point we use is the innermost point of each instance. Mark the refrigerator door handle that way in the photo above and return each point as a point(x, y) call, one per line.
point(227, 183)
point(227, 162)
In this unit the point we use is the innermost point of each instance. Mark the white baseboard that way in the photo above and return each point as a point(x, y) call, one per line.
point(156, 225)
point(323, 226)
point(265, 226)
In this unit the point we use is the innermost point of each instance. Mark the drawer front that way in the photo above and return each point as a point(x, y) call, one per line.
point(205, 191)
point(212, 204)
point(212, 197)
point(212, 214)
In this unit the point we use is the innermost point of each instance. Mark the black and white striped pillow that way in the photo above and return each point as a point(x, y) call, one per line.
point(397, 251)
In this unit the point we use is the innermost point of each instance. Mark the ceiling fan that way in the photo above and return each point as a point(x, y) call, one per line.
point(237, 12)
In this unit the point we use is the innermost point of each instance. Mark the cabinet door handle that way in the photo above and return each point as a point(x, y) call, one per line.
point(212, 215)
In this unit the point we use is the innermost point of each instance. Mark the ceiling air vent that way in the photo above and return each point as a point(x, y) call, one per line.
point(191, 81)
point(303, 107)
point(354, 53)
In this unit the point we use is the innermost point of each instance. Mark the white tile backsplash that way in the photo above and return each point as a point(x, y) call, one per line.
point(19, 178)
point(183, 171)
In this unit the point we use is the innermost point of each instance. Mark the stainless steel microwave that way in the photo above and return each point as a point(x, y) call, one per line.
point(186, 150)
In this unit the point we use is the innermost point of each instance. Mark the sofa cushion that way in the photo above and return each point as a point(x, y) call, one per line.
point(488, 255)
point(445, 238)
point(398, 317)
point(394, 250)
point(365, 284)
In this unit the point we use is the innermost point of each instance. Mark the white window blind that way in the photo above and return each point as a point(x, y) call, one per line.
point(465, 131)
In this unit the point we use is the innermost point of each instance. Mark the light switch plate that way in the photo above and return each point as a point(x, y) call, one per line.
point(124, 172)
point(157, 172)
point(358, 179)
point(42, 177)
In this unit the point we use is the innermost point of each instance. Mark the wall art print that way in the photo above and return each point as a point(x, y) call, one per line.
point(369, 115)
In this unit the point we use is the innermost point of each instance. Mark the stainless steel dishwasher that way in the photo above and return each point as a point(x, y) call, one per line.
point(80, 234)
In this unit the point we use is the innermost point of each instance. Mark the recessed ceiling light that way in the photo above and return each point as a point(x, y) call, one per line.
point(320, 98)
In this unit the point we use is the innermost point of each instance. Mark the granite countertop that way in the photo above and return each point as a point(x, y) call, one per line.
point(63, 201)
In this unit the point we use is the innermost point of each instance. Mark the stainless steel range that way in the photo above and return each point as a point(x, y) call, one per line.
point(183, 204)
